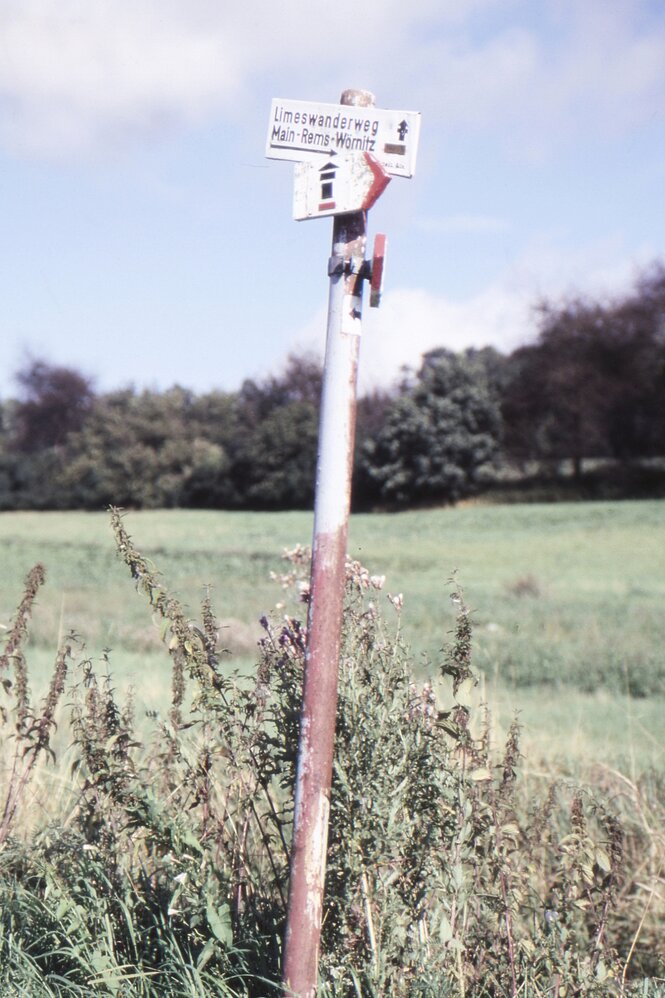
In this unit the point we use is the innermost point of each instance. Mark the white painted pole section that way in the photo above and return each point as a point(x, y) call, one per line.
point(336, 430)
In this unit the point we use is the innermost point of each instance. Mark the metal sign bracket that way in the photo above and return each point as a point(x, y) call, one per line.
point(366, 270)
point(338, 265)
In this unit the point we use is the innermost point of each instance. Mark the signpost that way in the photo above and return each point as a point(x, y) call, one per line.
point(302, 130)
point(345, 153)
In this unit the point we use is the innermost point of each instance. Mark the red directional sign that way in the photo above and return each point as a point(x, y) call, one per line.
point(341, 185)
point(378, 269)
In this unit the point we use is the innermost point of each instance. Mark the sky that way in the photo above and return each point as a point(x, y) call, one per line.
point(145, 239)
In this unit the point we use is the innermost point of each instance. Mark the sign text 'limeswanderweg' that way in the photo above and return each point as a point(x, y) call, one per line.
point(309, 129)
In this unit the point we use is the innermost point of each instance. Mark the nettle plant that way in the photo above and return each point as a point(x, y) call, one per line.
point(164, 867)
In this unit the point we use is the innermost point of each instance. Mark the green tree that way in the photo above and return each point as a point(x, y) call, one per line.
point(279, 459)
point(371, 414)
point(53, 402)
point(440, 436)
point(274, 451)
point(593, 382)
point(147, 450)
point(636, 417)
point(555, 405)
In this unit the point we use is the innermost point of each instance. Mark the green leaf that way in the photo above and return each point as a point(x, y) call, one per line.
point(206, 954)
point(189, 839)
point(603, 860)
point(219, 920)
point(602, 972)
point(464, 692)
point(445, 930)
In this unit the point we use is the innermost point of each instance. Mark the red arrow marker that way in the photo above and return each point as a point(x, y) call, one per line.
point(379, 182)
point(378, 265)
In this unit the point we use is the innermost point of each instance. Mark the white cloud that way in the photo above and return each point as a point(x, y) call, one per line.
point(608, 72)
point(77, 75)
point(81, 72)
point(551, 267)
point(576, 69)
point(412, 321)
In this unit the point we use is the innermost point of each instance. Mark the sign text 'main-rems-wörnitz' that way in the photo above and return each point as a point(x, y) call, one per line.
point(315, 130)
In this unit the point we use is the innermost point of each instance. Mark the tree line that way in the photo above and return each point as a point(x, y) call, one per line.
point(590, 385)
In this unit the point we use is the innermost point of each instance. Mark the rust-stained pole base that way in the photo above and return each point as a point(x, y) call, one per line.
point(331, 517)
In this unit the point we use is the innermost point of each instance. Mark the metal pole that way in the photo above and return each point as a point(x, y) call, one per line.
point(331, 518)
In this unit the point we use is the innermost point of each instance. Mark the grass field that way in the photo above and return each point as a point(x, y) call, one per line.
point(567, 603)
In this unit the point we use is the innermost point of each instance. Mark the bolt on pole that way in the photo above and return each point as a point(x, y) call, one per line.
point(331, 517)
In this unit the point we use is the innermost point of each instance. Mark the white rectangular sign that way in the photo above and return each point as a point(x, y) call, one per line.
point(338, 185)
point(303, 130)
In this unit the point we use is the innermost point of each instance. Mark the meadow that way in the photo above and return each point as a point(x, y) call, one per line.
point(146, 851)
point(566, 604)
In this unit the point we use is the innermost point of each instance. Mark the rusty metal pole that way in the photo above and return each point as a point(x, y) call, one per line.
point(331, 517)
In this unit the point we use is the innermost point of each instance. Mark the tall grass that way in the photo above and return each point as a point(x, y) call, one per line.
point(161, 867)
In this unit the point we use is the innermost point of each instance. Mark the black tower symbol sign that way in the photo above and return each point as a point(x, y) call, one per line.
point(402, 129)
point(327, 175)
